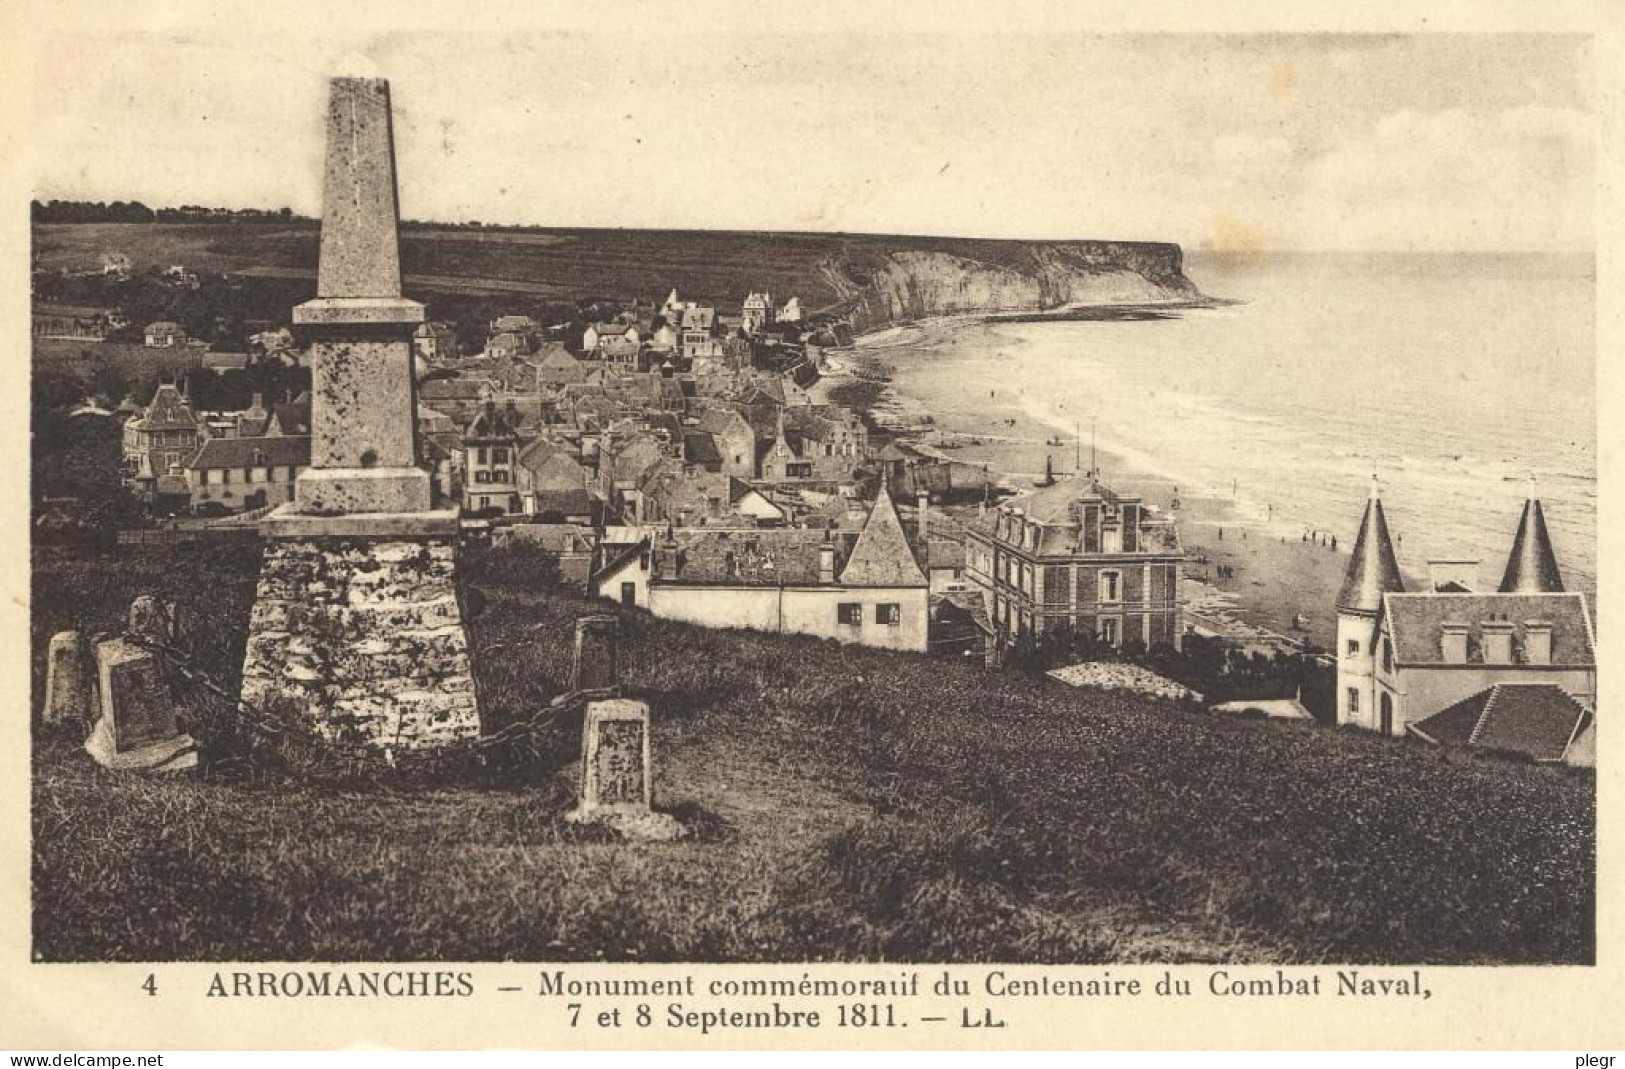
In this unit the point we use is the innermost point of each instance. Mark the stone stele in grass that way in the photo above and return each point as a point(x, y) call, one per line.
point(69, 690)
point(137, 729)
point(596, 667)
point(155, 619)
point(616, 786)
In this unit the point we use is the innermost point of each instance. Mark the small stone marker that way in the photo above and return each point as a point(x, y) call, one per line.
point(136, 729)
point(597, 656)
point(616, 787)
point(153, 618)
point(68, 686)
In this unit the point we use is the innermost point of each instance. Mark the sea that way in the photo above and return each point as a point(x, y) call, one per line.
point(1455, 380)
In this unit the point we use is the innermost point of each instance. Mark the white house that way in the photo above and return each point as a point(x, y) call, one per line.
point(866, 589)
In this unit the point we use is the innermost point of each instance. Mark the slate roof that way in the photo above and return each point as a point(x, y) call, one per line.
point(1417, 620)
point(556, 537)
point(433, 451)
point(539, 452)
point(1054, 508)
point(941, 553)
point(1532, 565)
point(968, 604)
point(557, 365)
point(564, 502)
point(751, 557)
point(666, 422)
point(739, 489)
point(494, 422)
point(554, 469)
point(1373, 571)
point(168, 411)
point(882, 555)
point(292, 417)
point(1535, 719)
point(251, 426)
point(241, 452)
point(678, 492)
point(462, 389)
point(893, 452)
point(670, 390)
point(1053, 504)
point(503, 324)
point(721, 419)
point(700, 447)
point(434, 421)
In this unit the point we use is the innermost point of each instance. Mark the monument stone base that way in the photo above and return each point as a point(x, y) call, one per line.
point(361, 638)
point(175, 754)
point(363, 490)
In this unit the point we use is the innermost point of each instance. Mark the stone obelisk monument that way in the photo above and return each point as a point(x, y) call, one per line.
point(356, 630)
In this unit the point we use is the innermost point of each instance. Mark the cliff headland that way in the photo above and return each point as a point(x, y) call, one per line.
point(874, 279)
point(878, 287)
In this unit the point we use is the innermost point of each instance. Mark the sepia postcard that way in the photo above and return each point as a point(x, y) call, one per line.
point(900, 525)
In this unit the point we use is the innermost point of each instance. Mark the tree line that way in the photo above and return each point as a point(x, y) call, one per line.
point(118, 211)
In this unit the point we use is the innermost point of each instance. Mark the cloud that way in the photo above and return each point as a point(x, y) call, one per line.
point(1243, 157)
point(1516, 178)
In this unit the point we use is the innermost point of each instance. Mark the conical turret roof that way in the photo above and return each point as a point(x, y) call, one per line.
point(882, 555)
point(1373, 571)
point(1532, 567)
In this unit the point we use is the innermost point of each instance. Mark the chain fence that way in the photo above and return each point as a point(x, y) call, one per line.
point(238, 734)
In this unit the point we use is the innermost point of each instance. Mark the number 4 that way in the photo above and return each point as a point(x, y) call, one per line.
point(150, 985)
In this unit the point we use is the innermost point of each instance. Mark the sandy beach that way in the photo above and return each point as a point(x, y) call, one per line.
point(1277, 579)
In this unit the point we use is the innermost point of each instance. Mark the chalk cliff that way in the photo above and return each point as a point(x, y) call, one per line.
point(877, 287)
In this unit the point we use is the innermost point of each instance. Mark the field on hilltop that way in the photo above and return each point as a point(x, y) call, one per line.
point(842, 803)
point(720, 267)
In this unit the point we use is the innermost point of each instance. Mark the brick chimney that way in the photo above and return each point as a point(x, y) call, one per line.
point(667, 565)
point(1497, 641)
point(1453, 642)
point(826, 557)
point(1537, 642)
point(923, 515)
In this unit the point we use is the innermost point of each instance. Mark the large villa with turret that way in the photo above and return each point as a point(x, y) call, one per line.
point(1510, 670)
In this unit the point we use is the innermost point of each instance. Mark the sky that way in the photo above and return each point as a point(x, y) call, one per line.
point(1430, 142)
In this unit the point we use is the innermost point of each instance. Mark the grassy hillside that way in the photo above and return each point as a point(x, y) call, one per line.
point(843, 804)
point(716, 266)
